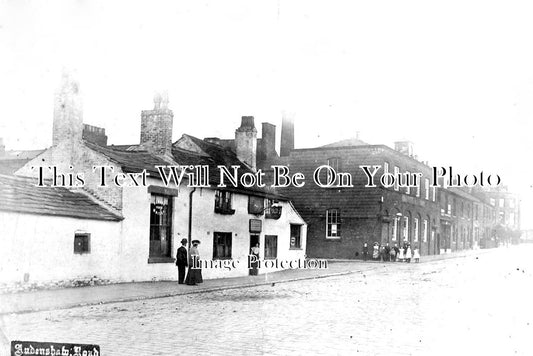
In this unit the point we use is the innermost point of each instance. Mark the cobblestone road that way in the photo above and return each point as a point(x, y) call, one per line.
point(463, 306)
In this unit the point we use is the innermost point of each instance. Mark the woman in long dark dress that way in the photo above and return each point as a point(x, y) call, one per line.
point(194, 275)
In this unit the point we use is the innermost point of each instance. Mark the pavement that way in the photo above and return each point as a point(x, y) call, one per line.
point(475, 303)
point(43, 300)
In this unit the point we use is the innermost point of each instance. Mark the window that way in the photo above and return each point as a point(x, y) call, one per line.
point(502, 202)
point(425, 230)
point(426, 188)
point(333, 223)
point(221, 245)
point(82, 243)
point(406, 228)
point(160, 226)
point(256, 205)
point(386, 167)
point(492, 202)
point(223, 202)
point(511, 219)
point(272, 212)
point(395, 221)
point(271, 246)
point(434, 198)
point(415, 222)
point(396, 176)
point(511, 203)
point(462, 209)
point(296, 241)
point(418, 187)
point(408, 188)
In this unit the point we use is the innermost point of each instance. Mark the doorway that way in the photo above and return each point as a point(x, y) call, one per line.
point(254, 240)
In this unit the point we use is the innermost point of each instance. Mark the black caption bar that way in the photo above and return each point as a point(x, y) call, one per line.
point(33, 348)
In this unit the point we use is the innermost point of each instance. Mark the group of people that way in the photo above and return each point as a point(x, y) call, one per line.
point(184, 260)
point(394, 253)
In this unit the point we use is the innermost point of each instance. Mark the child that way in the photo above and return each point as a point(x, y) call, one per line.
point(401, 255)
point(416, 255)
point(408, 254)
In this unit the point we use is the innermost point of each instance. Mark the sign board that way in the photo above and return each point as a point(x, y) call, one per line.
point(23, 348)
point(256, 225)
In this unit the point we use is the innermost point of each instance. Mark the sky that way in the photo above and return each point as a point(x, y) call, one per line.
point(454, 77)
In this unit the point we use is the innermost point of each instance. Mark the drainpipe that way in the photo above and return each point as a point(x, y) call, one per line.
point(190, 216)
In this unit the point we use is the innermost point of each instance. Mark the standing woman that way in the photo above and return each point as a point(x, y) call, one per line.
point(194, 274)
point(255, 252)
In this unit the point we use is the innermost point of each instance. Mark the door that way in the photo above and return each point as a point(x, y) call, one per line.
point(254, 240)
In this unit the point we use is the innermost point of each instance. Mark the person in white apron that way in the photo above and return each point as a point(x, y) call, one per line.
point(408, 254)
point(416, 255)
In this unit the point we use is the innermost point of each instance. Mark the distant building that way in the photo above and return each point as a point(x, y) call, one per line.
point(341, 219)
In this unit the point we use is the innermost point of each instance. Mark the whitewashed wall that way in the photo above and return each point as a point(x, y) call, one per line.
point(43, 247)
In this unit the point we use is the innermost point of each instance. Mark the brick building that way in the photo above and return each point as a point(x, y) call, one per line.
point(341, 219)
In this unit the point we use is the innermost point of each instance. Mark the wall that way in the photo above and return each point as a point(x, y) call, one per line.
point(43, 247)
point(82, 159)
point(365, 211)
point(135, 248)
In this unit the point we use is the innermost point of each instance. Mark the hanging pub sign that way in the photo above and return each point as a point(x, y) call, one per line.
point(255, 225)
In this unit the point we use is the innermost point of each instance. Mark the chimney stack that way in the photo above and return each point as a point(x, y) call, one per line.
point(287, 134)
point(267, 146)
point(68, 112)
point(156, 127)
point(405, 147)
point(246, 141)
point(95, 135)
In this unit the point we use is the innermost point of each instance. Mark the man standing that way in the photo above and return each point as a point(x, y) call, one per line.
point(386, 257)
point(365, 251)
point(181, 261)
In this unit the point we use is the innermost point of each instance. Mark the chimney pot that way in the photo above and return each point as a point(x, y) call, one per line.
point(94, 134)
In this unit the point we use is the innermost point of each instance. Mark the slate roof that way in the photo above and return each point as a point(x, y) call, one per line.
point(19, 194)
point(132, 161)
point(215, 155)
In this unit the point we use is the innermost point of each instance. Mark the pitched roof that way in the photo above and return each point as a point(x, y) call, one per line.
point(190, 150)
point(132, 161)
point(19, 194)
